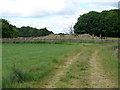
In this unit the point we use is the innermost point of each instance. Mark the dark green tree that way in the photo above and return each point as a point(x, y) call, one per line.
point(33, 32)
point(44, 32)
point(8, 30)
point(105, 23)
point(87, 23)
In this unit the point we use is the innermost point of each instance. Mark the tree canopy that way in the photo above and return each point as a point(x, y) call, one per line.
point(105, 23)
point(8, 30)
point(33, 32)
point(11, 31)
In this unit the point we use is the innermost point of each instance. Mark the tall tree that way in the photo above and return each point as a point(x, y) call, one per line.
point(105, 23)
point(8, 30)
point(33, 32)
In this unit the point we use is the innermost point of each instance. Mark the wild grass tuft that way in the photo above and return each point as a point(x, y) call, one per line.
point(55, 60)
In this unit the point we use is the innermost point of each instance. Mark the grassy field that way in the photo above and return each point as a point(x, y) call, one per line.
point(23, 62)
point(39, 64)
point(79, 73)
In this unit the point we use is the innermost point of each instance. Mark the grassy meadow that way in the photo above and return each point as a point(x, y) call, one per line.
point(31, 61)
point(78, 75)
point(27, 64)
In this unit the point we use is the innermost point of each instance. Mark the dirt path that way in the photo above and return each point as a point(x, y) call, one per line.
point(98, 79)
point(61, 70)
point(95, 72)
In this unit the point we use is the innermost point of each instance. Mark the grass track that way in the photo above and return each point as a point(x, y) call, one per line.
point(34, 59)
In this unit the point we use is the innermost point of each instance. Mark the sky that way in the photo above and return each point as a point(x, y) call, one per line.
point(56, 15)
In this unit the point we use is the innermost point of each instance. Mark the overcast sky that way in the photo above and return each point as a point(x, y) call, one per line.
point(56, 15)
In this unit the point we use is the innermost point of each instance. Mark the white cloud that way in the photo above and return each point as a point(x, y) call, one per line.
point(96, 0)
point(56, 24)
point(54, 14)
point(28, 7)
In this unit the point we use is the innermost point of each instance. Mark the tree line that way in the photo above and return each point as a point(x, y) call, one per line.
point(11, 31)
point(105, 23)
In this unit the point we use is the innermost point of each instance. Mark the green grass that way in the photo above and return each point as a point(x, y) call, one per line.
point(32, 62)
point(78, 73)
point(108, 56)
point(25, 62)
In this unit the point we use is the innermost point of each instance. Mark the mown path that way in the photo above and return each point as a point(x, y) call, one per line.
point(98, 78)
point(61, 72)
point(91, 75)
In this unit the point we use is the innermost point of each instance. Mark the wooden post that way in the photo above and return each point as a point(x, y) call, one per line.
point(100, 36)
point(92, 36)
